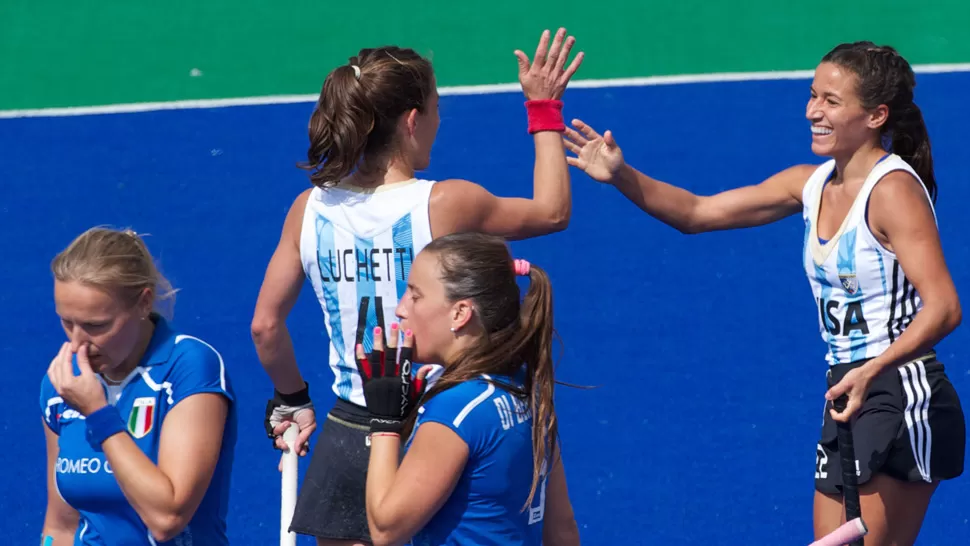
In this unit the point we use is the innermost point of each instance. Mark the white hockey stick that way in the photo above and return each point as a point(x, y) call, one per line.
point(290, 473)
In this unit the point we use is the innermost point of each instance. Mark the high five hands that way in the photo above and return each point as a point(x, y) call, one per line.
point(545, 78)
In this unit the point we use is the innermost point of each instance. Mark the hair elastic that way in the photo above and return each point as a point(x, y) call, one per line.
point(356, 71)
point(521, 267)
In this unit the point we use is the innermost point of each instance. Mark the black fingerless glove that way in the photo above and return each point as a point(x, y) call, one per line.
point(390, 392)
point(282, 405)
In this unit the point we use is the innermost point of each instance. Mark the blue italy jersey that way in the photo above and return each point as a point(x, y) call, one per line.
point(486, 506)
point(175, 366)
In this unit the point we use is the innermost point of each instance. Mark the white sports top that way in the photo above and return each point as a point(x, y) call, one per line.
point(360, 242)
point(864, 299)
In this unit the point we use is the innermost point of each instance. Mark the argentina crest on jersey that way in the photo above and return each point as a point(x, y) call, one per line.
point(849, 282)
point(142, 416)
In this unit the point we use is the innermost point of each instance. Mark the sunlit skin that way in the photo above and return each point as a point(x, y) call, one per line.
point(114, 332)
point(841, 127)
point(441, 328)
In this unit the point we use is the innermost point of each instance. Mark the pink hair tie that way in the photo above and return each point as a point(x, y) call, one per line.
point(521, 267)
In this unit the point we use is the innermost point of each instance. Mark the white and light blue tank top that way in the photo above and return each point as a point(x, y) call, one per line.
point(355, 243)
point(864, 299)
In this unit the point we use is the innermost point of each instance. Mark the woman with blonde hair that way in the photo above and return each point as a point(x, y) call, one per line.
point(140, 418)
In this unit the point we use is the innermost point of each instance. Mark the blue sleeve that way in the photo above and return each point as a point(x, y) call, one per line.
point(470, 410)
point(50, 405)
point(198, 368)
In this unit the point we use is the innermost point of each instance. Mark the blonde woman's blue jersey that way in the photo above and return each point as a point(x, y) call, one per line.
point(175, 366)
point(486, 506)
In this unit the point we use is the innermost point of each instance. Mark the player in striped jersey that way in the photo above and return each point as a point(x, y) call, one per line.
point(873, 258)
point(356, 232)
point(140, 419)
point(482, 462)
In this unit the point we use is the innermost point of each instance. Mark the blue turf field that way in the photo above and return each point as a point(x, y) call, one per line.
point(705, 348)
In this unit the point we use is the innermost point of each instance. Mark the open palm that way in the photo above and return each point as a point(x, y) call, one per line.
point(598, 155)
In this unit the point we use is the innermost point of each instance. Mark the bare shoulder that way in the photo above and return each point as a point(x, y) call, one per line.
point(454, 189)
point(898, 197)
point(451, 204)
point(794, 178)
point(898, 185)
point(803, 171)
point(300, 202)
point(293, 224)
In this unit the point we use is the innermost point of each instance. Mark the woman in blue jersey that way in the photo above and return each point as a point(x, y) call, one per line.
point(355, 234)
point(482, 462)
point(874, 261)
point(139, 417)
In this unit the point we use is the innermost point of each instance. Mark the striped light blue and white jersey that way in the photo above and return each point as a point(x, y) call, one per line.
point(865, 301)
point(357, 243)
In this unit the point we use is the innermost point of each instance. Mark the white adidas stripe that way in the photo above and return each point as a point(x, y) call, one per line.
point(474, 403)
point(924, 418)
point(916, 389)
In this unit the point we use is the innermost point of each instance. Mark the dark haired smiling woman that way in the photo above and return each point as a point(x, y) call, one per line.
point(874, 261)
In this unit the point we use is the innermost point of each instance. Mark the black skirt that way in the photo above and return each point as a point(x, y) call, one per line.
point(330, 504)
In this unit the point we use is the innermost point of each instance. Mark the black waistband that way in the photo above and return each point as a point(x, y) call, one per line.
point(347, 411)
point(928, 359)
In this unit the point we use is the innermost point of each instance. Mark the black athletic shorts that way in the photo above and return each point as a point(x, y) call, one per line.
point(910, 427)
point(330, 504)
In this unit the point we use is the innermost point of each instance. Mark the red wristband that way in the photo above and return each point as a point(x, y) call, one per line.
point(545, 115)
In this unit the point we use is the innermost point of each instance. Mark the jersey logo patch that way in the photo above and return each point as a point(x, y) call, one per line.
point(849, 282)
point(142, 416)
point(68, 415)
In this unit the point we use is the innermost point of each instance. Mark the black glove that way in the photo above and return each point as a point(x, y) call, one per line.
point(285, 405)
point(390, 392)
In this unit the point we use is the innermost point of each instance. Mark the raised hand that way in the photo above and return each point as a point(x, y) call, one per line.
point(82, 392)
point(598, 155)
point(389, 390)
point(545, 78)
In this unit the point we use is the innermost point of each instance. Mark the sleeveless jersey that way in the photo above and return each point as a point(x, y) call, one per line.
point(863, 296)
point(486, 504)
point(175, 366)
point(357, 243)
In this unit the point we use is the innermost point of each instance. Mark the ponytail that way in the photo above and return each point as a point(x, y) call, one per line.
point(911, 141)
point(356, 116)
point(339, 127)
point(536, 325)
